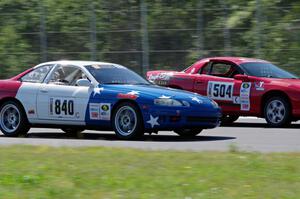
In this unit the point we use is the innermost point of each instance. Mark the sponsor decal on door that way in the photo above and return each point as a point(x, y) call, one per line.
point(100, 111)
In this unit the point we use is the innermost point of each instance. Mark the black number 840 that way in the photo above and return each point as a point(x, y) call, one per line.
point(62, 107)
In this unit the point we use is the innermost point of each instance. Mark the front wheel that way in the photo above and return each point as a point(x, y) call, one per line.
point(127, 121)
point(188, 132)
point(13, 120)
point(277, 112)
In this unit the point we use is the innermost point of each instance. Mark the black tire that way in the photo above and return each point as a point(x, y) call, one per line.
point(188, 132)
point(73, 132)
point(13, 119)
point(130, 125)
point(229, 119)
point(277, 112)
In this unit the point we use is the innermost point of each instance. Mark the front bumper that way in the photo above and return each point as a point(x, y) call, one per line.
point(171, 118)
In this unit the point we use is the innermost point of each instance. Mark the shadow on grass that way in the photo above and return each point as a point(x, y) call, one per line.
point(113, 137)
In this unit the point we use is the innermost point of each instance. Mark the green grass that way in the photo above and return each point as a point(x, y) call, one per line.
point(45, 172)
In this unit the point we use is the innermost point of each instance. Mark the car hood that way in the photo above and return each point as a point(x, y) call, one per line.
point(293, 83)
point(153, 92)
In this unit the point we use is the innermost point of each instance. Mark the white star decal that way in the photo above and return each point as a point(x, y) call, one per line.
point(134, 93)
point(197, 100)
point(153, 121)
point(164, 97)
point(97, 91)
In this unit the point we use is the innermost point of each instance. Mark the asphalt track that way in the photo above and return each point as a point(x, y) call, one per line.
point(247, 134)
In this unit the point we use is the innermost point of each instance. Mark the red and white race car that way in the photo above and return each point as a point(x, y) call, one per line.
point(241, 86)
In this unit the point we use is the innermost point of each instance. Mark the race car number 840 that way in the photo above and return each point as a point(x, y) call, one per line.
point(220, 90)
point(62, 107)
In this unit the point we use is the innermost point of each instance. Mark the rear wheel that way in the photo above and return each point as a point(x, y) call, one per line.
point(127, 121)
point(13, 120)
point(188, 132)
point(277, 112)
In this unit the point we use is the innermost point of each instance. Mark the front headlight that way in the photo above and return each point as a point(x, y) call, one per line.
point(167, 102)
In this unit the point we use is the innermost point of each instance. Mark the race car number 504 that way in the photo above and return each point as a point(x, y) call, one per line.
point(220, 90)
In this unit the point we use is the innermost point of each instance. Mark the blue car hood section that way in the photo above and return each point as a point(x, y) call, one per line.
point(154, 92)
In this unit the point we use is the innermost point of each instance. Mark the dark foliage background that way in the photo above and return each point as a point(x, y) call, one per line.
point(179, 32)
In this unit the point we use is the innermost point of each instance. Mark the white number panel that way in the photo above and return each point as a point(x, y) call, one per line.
point(220, 90)
point(62, 107)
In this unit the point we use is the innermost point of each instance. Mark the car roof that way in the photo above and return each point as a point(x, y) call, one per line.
point(78, 63)
point(237, 60)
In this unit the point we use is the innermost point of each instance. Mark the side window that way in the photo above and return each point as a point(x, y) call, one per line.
point(205, 69)
point(67, 75)
point(223, 70)
point(37, 75)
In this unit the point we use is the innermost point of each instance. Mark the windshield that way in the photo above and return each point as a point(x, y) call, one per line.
point(113, 74)
point(266, 70)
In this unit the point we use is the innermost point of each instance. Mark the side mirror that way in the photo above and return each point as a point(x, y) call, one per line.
point(83, 82)
point(241, 77)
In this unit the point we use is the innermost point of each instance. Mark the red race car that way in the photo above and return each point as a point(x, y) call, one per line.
point(241, 86)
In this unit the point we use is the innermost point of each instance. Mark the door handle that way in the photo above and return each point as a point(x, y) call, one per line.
point(199, 82)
